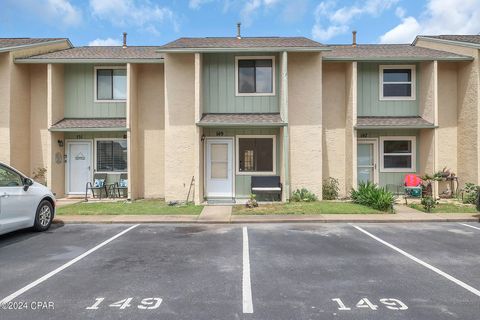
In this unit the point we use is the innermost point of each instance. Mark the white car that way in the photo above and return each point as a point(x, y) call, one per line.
point(23, 202)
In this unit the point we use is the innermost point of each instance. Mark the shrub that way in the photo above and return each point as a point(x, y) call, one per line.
point(429, 203)
point(330, 189)
point(252, 202)
point(370, 195)
point(303, 195)
point(470, 195)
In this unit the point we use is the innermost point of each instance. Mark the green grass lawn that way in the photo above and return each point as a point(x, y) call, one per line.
point(448, 208)
point(139, 207)
point(319, 207)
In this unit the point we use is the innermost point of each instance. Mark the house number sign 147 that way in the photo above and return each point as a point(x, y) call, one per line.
point(365, 303)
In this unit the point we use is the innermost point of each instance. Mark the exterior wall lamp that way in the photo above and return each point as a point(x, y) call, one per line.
point(60, 143)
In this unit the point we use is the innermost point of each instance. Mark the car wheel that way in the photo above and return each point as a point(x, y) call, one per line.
point(44, 216)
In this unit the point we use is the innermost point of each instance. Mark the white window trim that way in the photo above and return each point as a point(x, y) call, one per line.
point(274, 80)
point(412, 68)
point(95, 83)
point(95, 155)
point(255, 173)
point(413, 154)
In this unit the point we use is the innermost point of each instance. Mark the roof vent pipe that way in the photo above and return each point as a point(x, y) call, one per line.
point(354, 38)
point(239, 36)
point(124, 40)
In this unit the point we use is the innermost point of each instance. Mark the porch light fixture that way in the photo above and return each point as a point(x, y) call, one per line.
point(203, 138)
point(60, 143)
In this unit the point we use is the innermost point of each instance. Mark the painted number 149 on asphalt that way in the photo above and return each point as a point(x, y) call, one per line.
point(144, 304)
point(392, 304)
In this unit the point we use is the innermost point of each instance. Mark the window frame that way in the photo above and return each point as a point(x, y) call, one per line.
point(95, 85)
point(95, 154)
point(15, 172)
point(413, 154)
point(413, 82)
point(255, 173)
point(256, 94)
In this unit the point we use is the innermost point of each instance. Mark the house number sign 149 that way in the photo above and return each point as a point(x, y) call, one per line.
point(365, 303)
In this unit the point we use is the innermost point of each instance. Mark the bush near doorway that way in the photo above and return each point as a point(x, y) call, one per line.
point(370, 195)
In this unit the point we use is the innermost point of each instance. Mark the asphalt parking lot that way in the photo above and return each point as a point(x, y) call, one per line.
point(263, 271)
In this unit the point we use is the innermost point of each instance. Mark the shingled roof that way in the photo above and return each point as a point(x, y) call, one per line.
point(379, 52)
point(99, 54)
point(241, 119)
point(465, 38)
point(7, 44)
point(392, 122)
point(90, 124)
point(212, 44)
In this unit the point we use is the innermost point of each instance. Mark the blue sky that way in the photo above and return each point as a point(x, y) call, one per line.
point(155, 22)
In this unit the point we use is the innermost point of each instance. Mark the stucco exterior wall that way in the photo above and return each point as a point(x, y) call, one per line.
point(334, 122)
point(447, 118)
point(305, 121)
point(132, 133)
point(151, 131)
point(468, 106)
point(55, 102)
point(427, 91)
point(20, 117)
point(180, 128)
point(5, 107)
point(39, 134)
point(350, 132)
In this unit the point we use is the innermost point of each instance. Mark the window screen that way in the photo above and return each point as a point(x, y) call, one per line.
point(111, 84)
point(255, 154)
point(397, 83)
point(255, 76)
point(112, 156)
point(397, 154)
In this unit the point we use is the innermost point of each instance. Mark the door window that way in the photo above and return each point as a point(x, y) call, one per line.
point(9, 178)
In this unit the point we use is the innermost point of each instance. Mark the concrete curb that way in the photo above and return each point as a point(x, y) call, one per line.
point(255, 219)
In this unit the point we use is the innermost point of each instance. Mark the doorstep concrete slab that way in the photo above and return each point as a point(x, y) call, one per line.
point(215, 213)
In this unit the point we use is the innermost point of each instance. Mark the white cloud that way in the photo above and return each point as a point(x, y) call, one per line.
point(63, 9)
point(140, 13)
point(331, 21)
point(439, 17)
point(196, 4)
point(105, 42)
point(59, 13)
point(251, 8)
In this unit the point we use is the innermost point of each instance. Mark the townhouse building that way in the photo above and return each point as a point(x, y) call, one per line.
point(201, 116)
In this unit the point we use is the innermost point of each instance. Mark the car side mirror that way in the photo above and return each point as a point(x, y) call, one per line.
point(27, 182)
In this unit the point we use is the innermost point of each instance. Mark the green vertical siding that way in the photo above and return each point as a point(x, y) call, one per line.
point(391, 178)
point(243, 182)
point(369, 103)
point(219, 87)
point(79, 95)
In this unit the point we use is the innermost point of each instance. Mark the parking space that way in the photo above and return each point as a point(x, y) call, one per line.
point(294, 271)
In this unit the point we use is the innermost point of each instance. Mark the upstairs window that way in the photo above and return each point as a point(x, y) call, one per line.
point(255, 75)
point(256, 155)
point(397, 82)
point(111, 84)
point(111, 155)
point(398, 154)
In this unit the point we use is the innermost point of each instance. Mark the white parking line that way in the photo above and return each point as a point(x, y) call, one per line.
point(63, 267)
point(246, 284)
point(421, 262)
point(467, 225)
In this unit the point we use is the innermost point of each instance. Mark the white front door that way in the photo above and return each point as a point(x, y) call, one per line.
point(367, 155)
point(79, 158)
point(219, 168)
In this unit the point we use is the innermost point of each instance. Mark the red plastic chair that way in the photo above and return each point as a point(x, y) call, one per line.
point(413, 186)
point(412, 180)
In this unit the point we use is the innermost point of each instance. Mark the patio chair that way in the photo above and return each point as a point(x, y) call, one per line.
point(120, 187)
point(413, 186)
point(99, 183)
